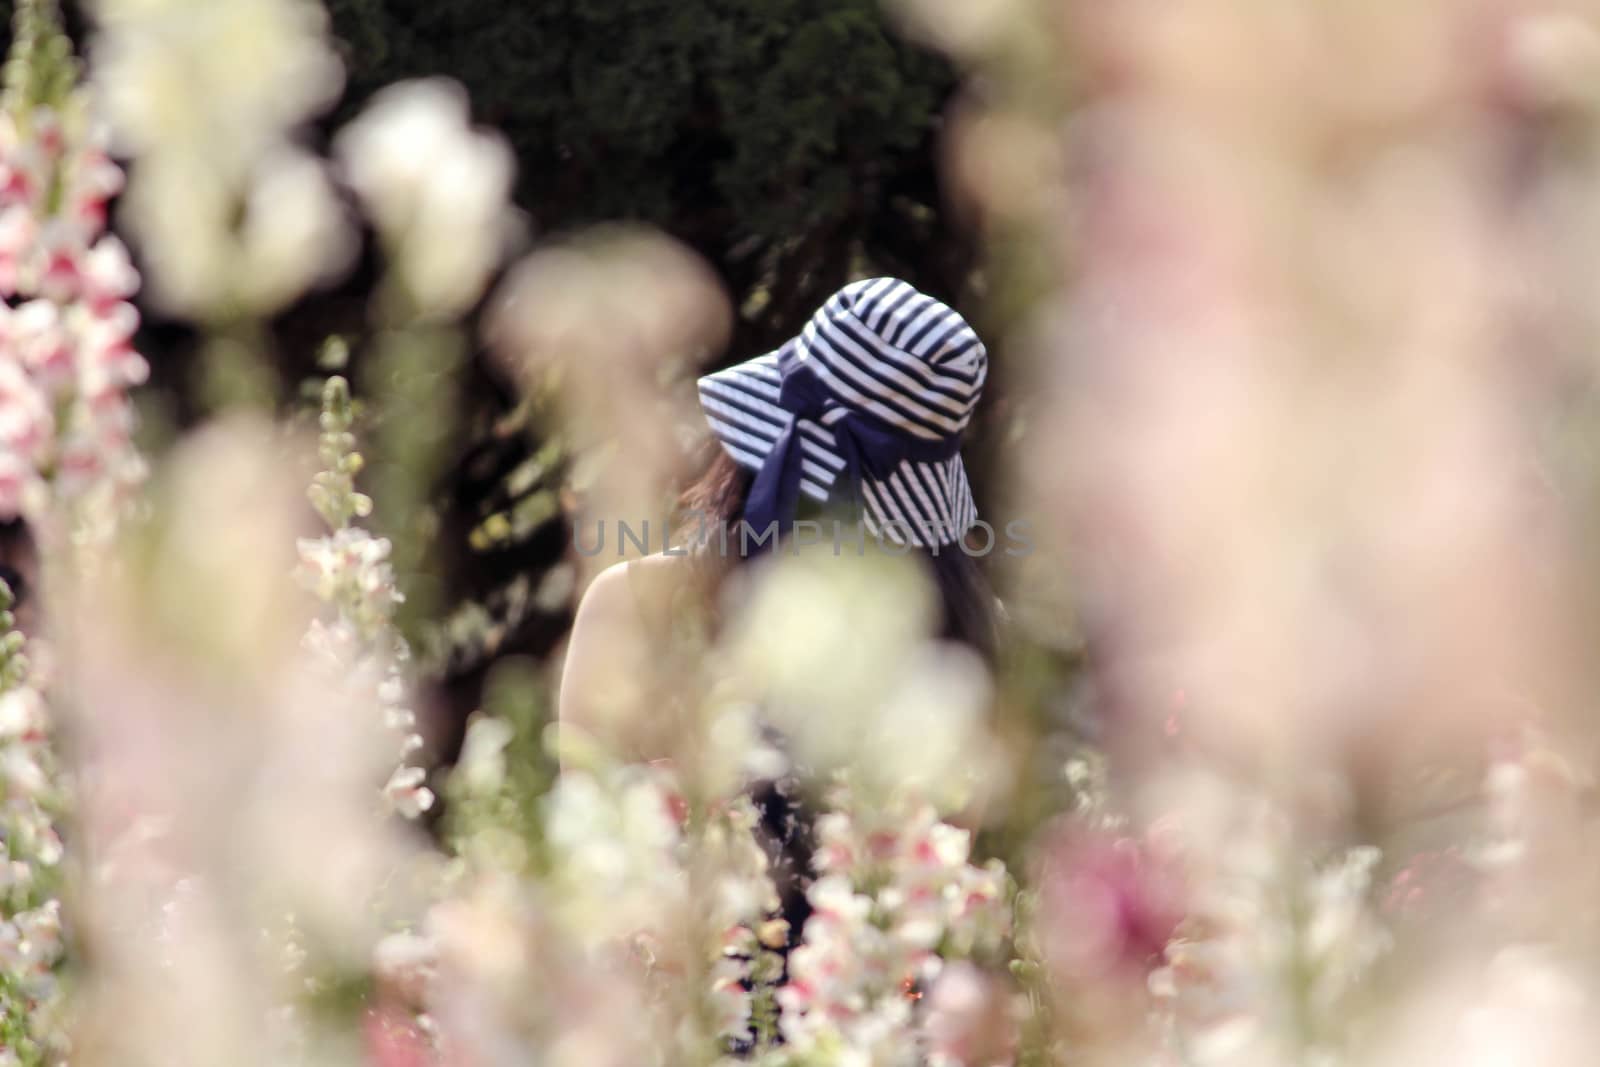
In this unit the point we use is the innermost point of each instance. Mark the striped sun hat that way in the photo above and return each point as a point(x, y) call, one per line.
point(868, 404)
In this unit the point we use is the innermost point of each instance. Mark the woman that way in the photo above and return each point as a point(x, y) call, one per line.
point(863, 414)
point(863, 411)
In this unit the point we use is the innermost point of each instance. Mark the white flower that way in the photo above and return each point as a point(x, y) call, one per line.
point(895, 886)
point(18, 234)
point(436, 189)
point(405, 961)
point(207, 98)
point(108, 273)
point(222, 79)
point(350, 569)
point(615, 850)
point(1257, 909)
point(730, 1001)
point(22, 713)
point(295, 232)
point(406, 792)
point(71, 334)
point(26, 424)
point(880, 698)
point(39, 336)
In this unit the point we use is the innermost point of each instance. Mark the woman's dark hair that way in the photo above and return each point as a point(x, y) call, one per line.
point(717, 499)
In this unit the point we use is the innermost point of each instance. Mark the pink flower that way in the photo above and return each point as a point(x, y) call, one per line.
point(48, 134)
point(59, 280)
point(95, 181)
point(18, 232)
point(17, 185)
point(42, 343)
point(26, 422)
point(109, 276)
point(393, 1039)
point(1108, 906)
point(18, 482)
point(969, 1022)
point(71, 337)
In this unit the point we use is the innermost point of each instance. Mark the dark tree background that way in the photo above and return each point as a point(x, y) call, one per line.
point(784, 140)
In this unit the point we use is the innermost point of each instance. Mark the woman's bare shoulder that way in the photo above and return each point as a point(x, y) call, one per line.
point(600, 647)
point(611, 643)
point(661, 569)
point(622, 594)
point(606, 596)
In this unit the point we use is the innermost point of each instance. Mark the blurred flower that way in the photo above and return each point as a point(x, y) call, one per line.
point(225, 79)
point(1108, 905)
point(65, 421)
point(357, 647)
point(900, 710)
point(206, 98)
point(1524, 1003)
point(191, 864)
point(33, 792)
point(513, 988)
point(615, 853)
point(895, 899)
point(1273, 946)
point(295, 234)
point(638, 908)
point(619, 317)
point(437, 190)
point(481, 766)
point(350, 570)
point(393, 1039)
point(26, 430)
point(969, 1019)
point(965, 29)
point(405, 792)
point(405, 963)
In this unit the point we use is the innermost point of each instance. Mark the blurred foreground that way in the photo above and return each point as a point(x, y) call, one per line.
point(1289, 753)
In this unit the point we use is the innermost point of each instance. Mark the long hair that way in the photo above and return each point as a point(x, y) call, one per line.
point(718, 499)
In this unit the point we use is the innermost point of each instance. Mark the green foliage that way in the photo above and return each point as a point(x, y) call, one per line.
point(411, 378)
point(13, 662)
point(40, 69)
point(493, 798)
point(333, 489)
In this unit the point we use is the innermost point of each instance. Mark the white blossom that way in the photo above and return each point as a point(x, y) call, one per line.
point(208, 99)
point(436, 188)
point(895, 898)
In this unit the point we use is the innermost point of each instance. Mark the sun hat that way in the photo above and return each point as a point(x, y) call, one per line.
point(867, 404)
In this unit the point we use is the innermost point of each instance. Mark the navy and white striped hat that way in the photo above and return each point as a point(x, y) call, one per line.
point(868, 404)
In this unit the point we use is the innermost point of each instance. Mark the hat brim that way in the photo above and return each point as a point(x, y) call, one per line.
point(919, 503)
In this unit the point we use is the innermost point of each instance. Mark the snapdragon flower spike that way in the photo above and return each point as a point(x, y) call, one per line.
point(631, 875)
point(745, 907)
point(896, 898)
point(349, 571)
point(31, 940)
point(66, 325)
